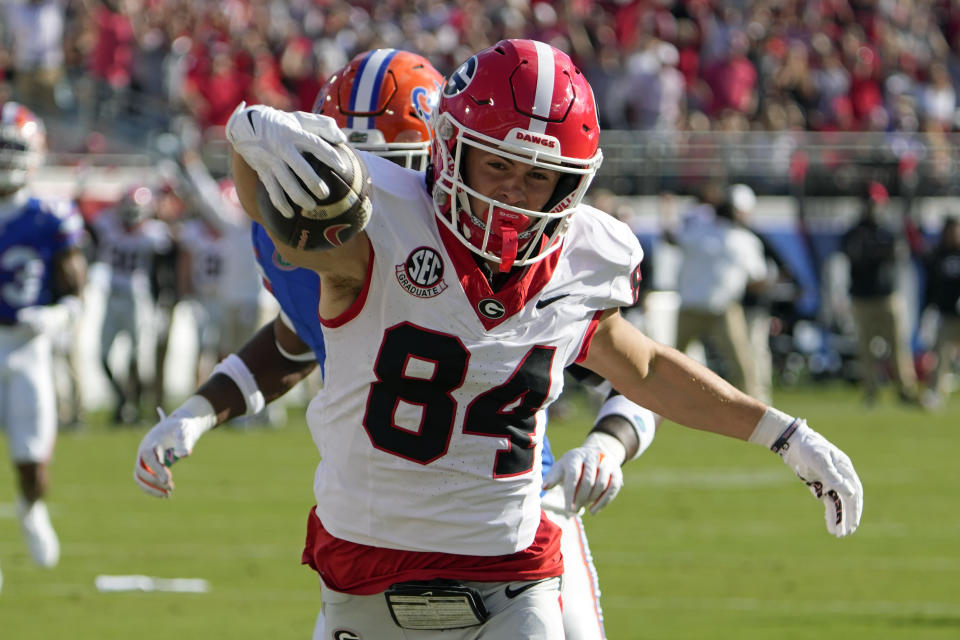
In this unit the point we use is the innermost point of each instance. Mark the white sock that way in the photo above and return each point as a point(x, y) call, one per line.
point(41, 539)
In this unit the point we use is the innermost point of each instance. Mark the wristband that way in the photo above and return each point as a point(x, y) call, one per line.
point(236, 369)
point(640, 418)
point(774, 430)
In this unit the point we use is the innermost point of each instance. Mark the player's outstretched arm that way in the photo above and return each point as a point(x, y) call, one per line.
point(347, 262)
point(271, 363)
point(590, 474)
point(686, 392)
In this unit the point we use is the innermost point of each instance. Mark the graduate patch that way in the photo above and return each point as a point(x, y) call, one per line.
point(422, 273)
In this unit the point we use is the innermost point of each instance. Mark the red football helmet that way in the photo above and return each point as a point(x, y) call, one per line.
point(526, 101)
point(382, 100)
point(23, 142)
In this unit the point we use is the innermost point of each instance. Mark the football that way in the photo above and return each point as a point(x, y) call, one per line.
point(335, 219)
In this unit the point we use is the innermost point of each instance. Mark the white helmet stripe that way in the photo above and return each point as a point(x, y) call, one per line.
point(546, 66)
point(366, 88)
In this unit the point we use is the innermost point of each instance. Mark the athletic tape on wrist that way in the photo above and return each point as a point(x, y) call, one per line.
point(774, 430)
point(199, 409)
point(641, 419)
point(236, 369)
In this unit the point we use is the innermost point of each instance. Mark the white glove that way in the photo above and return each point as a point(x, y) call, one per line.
point(169, 440)
point(829, 473)
point(51, 319)
point(825, 469)
point(271, 142)
point(590, 473)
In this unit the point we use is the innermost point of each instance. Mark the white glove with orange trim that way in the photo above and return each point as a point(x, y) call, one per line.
point(169, 440)
point(590, 474)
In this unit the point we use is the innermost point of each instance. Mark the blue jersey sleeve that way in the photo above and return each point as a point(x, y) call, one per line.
point(547, 457)
point(296, 290)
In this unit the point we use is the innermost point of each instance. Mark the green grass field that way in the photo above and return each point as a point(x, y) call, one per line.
point(710, 538)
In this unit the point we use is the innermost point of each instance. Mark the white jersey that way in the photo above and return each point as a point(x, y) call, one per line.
point(207, 250)
point(241, 282)
point(719, 261)
point(431, 422)
point(130, 252)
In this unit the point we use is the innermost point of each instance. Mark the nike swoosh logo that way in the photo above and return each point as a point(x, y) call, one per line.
point(543, 302)
point(513, 593)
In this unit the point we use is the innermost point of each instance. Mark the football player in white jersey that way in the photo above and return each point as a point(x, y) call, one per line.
point(42, 273)
point(128, 239)
point(233, 283)
point(402, 89)
point(430, 425)
point(200, 276)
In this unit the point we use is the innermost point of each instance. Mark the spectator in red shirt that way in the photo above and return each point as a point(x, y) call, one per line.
point(110, 62)
point(301, 72)
point(212, 97)
point(866, 95)
point(266, 86)
point(733, 79)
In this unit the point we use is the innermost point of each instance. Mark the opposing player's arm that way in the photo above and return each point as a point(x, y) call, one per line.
point(271, 363)
point(266, 367)
point(70, 276)
point(590, 474)
point(630, 425)
point(184, 267)
point(71, 272)
point(682, 390)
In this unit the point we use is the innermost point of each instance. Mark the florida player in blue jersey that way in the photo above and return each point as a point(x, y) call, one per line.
point(381, 100)
point(42, 273)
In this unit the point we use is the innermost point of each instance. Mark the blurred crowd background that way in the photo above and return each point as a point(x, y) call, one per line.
point(764, 65)
point(821, 109)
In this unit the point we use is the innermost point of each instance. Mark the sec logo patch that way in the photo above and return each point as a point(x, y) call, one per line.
point(421, 275)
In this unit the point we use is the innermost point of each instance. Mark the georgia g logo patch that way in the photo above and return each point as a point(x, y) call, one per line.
point(491, 308)
point(461, 78)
